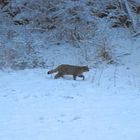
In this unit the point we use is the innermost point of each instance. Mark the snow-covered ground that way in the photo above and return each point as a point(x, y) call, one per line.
point(106, 106)
point(34, 105)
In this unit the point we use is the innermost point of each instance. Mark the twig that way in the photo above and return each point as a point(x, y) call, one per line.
point(125, 54)
point(100, 77)
point(93, 78)
point(136, 34)
point(115, 77)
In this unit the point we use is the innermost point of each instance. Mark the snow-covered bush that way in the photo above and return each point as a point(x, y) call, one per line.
point(20, 56)
point(26, 24)
point(105, 52)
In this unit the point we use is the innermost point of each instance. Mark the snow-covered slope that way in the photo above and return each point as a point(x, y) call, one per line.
point(106, 105)
point(31, 31)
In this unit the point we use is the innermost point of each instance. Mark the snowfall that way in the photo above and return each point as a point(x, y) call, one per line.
point(104, 106)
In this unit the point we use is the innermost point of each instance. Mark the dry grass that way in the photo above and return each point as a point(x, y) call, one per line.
point(106, 55)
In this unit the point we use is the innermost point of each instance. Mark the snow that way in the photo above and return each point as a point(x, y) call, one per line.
point(35, 106)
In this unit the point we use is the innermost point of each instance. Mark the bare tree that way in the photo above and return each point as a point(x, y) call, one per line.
point(130, 15)
point(125, 4)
